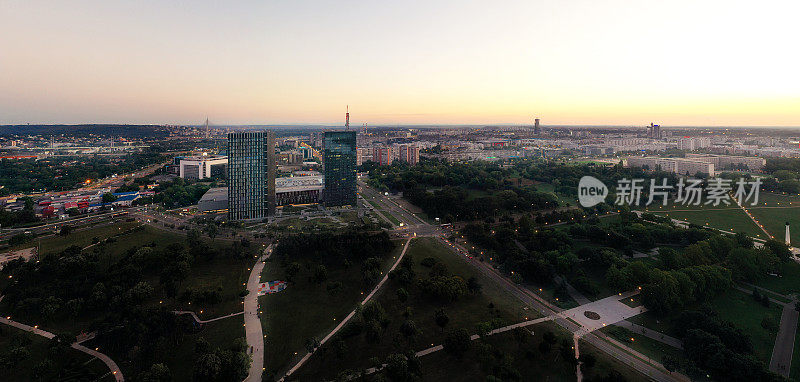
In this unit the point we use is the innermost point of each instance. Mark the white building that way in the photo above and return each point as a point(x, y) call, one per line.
point(201, 167)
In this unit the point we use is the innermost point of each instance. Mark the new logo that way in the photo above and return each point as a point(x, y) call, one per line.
point(591, 191)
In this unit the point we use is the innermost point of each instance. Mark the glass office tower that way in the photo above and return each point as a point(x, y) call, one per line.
point(340, 168)
point(251, 175)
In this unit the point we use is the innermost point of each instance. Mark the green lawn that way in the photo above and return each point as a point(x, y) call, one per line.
point(492, 303)
point(651, 348)
point(788, 283)
point(306, 310)
point(734, 220)
point(525, 357)
point(81, 238)
point(745, 313)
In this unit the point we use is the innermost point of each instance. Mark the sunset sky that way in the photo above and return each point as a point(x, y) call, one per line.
point(678, 62)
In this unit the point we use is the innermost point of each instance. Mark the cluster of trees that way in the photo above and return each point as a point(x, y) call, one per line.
point(786, 173)
point(17, 218)
point(64, 173)
point(175, 194)
point(334, 247)
point(117, 293)
point(219, 365)
point(717, 348)
point(446, 190)
point(60, 362)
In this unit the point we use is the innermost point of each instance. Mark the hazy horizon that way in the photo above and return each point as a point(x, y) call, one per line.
point(601, 63)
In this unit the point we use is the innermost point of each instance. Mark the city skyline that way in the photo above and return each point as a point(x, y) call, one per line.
point(586, 63)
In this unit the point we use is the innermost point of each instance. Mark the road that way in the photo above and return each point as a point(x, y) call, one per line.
point(112, 366)
point(252, 320)
point(621, 352)
point(781, 360)
point(349, 316)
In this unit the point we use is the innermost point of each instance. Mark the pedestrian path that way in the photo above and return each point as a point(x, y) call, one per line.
point(112, 366)
point(349, 316)
point(252, 322)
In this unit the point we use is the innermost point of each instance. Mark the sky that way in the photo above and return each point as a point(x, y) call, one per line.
point(677, 62)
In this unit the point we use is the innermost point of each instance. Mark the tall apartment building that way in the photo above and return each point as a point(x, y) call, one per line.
point(340, 168)
point(409, 154)
point(689, 143)
point(722, 162)
point(251, 175)
point(382, 155)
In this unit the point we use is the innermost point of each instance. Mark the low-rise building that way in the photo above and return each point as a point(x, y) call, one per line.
point(204, 166)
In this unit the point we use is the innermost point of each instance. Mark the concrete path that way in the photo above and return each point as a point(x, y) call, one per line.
point(199, 321)
point(349, 316)
point(112, 366)
point(252, 321)
point(781, 360)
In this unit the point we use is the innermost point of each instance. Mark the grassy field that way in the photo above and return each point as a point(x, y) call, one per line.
point(525, 357)
point(562, 199)
point(651, 348)
point(729, 219)
point(745, 313)
point(81, 238)
point(306, 310)
point(493, 303)
point(788, 283)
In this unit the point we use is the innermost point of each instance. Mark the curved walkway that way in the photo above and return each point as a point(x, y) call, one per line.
point(252, 322)
point(112, 366)
point(199, 321)
point(349, 316)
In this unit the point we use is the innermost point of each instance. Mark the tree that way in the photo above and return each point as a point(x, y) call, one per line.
point(157, 373)
point(778, 249)
point(292, 270)
point(109, 198)
point(65, 230)
point(441, 318)
point(409, 329)
point(457, 342)
point(320, 274)
point(670, 363)
point(207, 367)
point(402, 294)
point(397, 368)
point(588, 360)
point(473, 285)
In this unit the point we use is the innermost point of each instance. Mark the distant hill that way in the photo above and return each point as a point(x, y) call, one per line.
point(130, 131)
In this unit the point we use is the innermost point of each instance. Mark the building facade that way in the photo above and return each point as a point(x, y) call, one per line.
point(382, 155)
point(340, 168)
point(409, 154)
point(678, 166)
point(251, 175)
point(202, 167)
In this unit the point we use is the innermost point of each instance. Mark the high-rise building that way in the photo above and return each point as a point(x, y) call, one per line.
point(654, 131)
point(536, 129)
point(382, 155)
point(251, 175)
point(409, 154)
point(340, 168)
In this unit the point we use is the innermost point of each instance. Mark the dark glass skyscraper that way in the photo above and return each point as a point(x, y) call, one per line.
point(251, 175)
point(340, 168)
